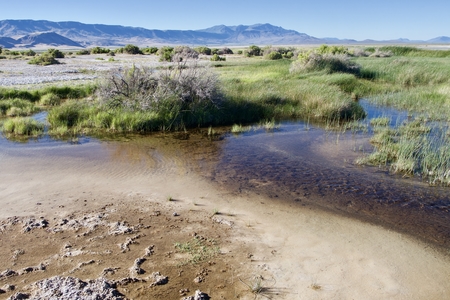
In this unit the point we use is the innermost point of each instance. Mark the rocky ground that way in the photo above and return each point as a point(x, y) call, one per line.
point(126, 251)
point(75, 69)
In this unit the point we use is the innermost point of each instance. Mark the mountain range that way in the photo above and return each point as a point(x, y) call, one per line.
point(35, 33)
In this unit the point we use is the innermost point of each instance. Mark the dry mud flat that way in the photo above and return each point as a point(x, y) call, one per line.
point(125, 250)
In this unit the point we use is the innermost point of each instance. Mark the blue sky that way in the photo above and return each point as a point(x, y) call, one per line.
point(355, 19)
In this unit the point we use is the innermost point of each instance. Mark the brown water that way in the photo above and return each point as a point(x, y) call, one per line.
point(297, 163)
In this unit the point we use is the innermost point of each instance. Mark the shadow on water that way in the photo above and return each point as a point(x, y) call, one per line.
point(298, 163)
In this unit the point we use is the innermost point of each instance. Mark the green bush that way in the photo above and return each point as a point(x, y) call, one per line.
point(274, 55)
point(330, 63)
point(28, 53)
point(44, 59)
point(216, 57)
point(55, 53)
point(203, 50)
point(50, 99)
point(150, 50)
point(165, 53)
point(253, 50)
point(99, 50)
point(83, 52)
point(132, 49)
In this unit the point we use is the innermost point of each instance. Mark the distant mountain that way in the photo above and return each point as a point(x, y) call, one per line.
point(29, 33)
point(114, 35)
point(46, 38)
point(440, 40)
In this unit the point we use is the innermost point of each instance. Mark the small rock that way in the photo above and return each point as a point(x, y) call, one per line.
point(19, 296)
point(199, 295)
point(199, 279)
point(8, 273)
point(8, 288)
point(175, 214)
point(159, 279)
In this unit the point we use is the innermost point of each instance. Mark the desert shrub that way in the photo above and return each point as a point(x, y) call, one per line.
point(2, 57)
point(215, 51)
point(55, 53)
point(253, 50)
point(274, 55)
point(44, 59)
point(181, 53)
point(182, 94)
point(239, 52)
point(50, 99)
point(165, 53)
point(330, 63)
point(203, 50)
point(150, 50)
point(111, 53)
point(99, 50)
point(23, 126)
point(216, 57)
point(28, 53)
point(226, 50)
point(83, 52)
point(325, 49)
point(131, 49)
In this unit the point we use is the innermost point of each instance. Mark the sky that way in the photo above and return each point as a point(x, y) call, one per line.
point(345, 19)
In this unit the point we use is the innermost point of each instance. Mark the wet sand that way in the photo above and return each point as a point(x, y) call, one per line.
point(300, 252)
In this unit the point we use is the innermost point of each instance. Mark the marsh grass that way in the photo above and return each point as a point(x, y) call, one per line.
point(413, 148)
point(17, 107)
point(22, 127)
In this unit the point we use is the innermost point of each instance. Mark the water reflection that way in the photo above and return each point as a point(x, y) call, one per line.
point(299, 163)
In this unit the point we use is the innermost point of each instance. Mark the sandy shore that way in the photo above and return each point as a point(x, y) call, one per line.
point(297, 252)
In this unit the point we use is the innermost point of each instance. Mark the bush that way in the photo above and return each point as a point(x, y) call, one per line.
point(184, 94)
point(165, 53)
point(132, 49)
point(44, 59)
point(274, 55)
point(253, 51)
point(216, 57)
point(99, 50)
point(50, 99)
point(226, 50)
point(150, 50)
point(203, 50)
point(55, 53)
point(83, 52)
point(330, 63)
point(28, 53)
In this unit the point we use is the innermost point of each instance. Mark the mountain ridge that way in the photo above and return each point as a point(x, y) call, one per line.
point(15, 33)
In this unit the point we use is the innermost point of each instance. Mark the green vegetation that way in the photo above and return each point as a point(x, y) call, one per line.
point(199, 249)
point(216, 57)
point(22, 127)
point(44, 59)
point(412, 149)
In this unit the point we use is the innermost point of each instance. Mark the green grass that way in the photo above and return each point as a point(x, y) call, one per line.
point(199, 250)
point(22, 127)
point(413, 148)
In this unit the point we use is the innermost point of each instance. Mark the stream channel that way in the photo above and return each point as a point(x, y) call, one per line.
point(299, 163)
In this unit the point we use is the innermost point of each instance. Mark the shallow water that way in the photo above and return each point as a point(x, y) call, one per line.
point(298, 163)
